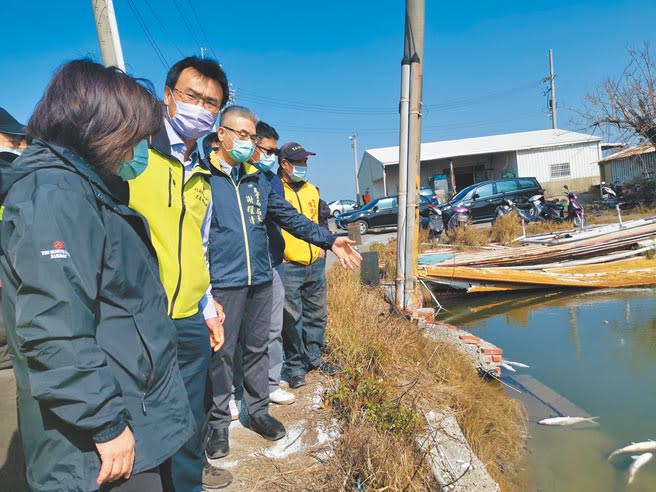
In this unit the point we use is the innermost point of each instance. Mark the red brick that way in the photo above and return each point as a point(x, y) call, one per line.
point(488, 358)
point(496, 358)
point(471, 339)
point(491, 350)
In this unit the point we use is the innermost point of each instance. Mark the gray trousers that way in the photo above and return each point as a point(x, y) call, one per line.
point(248, 317)
point(275, 330)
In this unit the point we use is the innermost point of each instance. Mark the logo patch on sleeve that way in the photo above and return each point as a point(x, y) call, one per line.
point(58, 251)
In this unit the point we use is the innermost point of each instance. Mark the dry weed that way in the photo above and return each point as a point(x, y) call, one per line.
point(467, 236)
point(391, 373)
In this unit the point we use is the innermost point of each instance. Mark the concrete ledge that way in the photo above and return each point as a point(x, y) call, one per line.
point(454, 465)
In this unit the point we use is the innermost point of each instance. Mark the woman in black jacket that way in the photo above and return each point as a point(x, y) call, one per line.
point(101, 400)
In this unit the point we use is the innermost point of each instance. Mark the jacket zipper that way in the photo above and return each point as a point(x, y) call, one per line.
point(300, 206)
point(170, 184)
point(149, 376)
point(243, 226)
point(182, 214)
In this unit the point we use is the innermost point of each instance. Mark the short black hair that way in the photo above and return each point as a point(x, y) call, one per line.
point(206, 67)
point(264, 130)
point(209, 139)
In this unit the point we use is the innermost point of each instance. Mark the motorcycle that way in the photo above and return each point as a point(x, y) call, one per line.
point(612, 196)
point(435, 222)
point(461, 216)
point(575, 211)
point(507, 205)
point(545, 210)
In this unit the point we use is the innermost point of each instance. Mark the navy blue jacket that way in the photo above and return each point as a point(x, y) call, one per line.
point(239, 243)
point(93, 348)
point(276, 241)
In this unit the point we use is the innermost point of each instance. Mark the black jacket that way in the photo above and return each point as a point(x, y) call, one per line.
point(86, 319)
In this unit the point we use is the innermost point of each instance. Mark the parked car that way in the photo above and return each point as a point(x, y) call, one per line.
point(379, 213)
point(483, 198)
point(338, 207)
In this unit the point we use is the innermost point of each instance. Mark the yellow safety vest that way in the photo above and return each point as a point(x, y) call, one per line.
point(306, 202)
point(175, 211)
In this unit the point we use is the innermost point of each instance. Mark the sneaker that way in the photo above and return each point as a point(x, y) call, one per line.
point(234, 409)
point(282, 397)
point(268, 427)
point(218, 444)
point(297, 381)
point(215, 478)
point(327, 368)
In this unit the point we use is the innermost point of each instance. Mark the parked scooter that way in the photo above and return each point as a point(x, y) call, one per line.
point(461, 216)
point(575, 211)
point(507, 205)
point(435, 222)
point(545, 210)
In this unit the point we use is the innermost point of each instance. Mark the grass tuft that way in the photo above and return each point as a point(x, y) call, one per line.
point(392, 374)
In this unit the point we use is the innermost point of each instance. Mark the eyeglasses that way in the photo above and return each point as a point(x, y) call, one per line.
point(301, 162)
point(191, 97)
point(216, 149)
point(267, 152)
point(243, 134)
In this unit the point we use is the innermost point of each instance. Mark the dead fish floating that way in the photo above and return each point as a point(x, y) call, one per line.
point(515, 364)
point(638, 462)
point(635, 447)
point(567, 420)
point(507, 367)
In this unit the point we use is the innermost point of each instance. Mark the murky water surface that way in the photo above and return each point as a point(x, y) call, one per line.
point(598, 350)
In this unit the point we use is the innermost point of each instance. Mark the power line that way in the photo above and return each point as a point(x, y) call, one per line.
point(146, 31)
point(163, 27)
point(202, 30)
point(187, 25)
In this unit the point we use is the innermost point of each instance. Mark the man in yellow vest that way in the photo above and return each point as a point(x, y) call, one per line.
point(173, 194)
point(304, 276)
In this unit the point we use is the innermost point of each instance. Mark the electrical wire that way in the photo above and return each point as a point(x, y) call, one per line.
point(159, 21)
point(187, 25)
point(148, 34)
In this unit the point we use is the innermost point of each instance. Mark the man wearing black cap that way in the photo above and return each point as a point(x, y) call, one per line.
point(12, 137)
point(304, 277)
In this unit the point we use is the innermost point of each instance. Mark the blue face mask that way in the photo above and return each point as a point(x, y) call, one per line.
point(266, 162)
point(298, 174)
point(135, 166)
point(242, 150)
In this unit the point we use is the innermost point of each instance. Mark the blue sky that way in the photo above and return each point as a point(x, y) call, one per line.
point(318, 71)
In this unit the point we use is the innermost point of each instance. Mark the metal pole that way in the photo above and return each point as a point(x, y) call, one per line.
point(404, 108)
point(552, 77)
point(354, 143)
point(108, 37)
point(416, 31)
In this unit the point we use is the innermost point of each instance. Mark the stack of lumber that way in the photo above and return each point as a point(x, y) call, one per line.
point(600, 257)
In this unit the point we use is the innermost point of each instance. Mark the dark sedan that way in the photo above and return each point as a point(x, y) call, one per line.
point(378, 213)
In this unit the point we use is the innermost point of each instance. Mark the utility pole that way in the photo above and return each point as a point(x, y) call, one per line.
point(354, 144)
point(413, 56)
point(108, 37)
point(552, 78)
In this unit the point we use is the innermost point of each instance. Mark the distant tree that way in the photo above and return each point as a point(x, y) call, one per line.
point(627, 104)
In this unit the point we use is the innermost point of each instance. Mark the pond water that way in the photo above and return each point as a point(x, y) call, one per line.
point(598, 350)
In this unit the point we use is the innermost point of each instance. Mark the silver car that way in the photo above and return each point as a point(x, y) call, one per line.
point(338, 207)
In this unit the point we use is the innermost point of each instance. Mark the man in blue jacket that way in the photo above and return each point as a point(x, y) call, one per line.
point(241, 274)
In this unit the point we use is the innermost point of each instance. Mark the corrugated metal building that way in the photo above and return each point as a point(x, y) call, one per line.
point(626, 165)
point(554, 157)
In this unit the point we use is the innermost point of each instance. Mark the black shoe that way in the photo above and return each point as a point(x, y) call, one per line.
point(268, 427)
point(297, 381)
point(218, 445)
point(327, 368)
point(215, 478)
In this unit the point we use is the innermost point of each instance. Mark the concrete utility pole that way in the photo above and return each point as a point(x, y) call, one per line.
point(413, 55)
point(552, 78)
point(108, 37)
point(354, 144)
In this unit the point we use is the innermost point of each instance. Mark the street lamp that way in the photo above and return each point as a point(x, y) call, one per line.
point(354, 144)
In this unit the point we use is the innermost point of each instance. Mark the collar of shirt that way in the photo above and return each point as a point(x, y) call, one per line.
point(178, 149)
